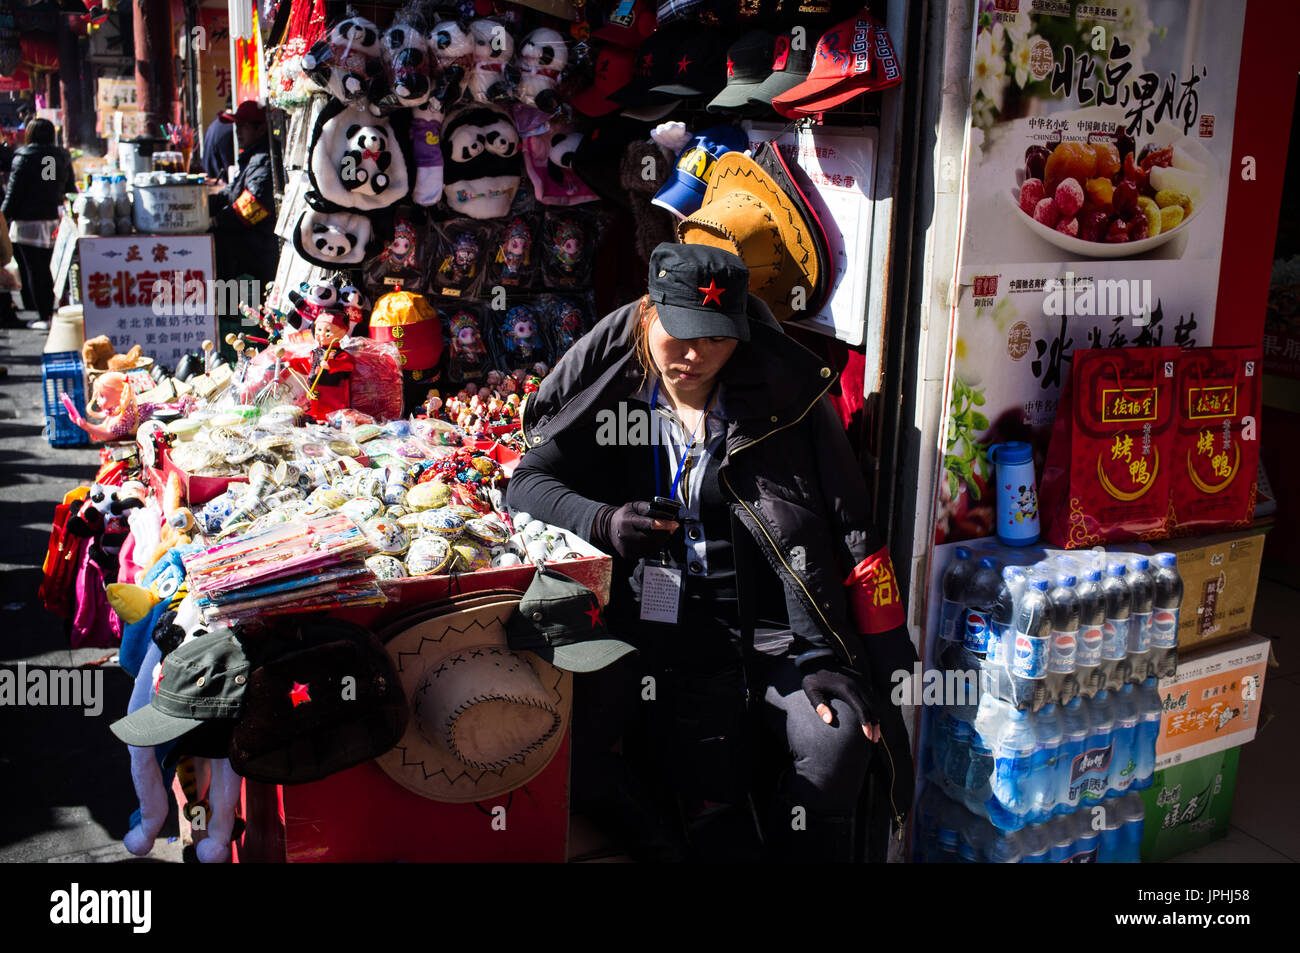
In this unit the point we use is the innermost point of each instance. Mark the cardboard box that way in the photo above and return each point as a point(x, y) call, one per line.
point(1220, 576)
point(1212, 702)
point(1188, 805)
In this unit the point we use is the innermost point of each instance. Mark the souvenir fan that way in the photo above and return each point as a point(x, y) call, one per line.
point(542, 58)
point(480, 147)
point(468, 360)
point(452, 46)
point(458, 261)
point(492, 76)
point(513, 258)
point(406, 59)
point(426, 133)
point(548, 157)
point(566, 257)
point(356, 162)
point(521, 336)
point(331, 239)
point(398, 266)
point(346, 62)
point(410, 322)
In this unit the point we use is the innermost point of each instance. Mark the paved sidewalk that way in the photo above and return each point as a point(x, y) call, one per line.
point(67, 780)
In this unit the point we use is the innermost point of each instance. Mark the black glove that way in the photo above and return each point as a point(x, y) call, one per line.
point(824, 684)
point(629, 531)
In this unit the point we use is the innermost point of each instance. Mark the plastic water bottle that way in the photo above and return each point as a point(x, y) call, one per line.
point(1033, 640)
point(1074, 741)
point(981, 595)
point(1005, 848)
point(1114, 643)
point(940, 734)
point(957, 762)
point(955, 578)
point(1133, 813)
point(1035, 844)
point(979, 774)
point(949, 839)
point(1063, 655)
point(1094, 768)
point(996, 677)
point(1164, 620)
point(1048, 734)
point(1110, 847)
point(926, 849)
point(1149, 713)
point(1086, 839)
point(1013, 764)
point(1092, 617)
point(975, 838)
point(1060, 839)
point(1123, 762)
point(1143, 588)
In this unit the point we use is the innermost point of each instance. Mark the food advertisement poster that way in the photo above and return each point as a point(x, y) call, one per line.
point(1096, 184)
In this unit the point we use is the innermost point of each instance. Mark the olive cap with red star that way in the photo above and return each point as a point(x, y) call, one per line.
point(700, 291)
point(560, 620)
point(202, 679)
point(749, 63)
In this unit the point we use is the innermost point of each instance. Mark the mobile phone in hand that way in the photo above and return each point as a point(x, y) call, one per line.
point(665, 508)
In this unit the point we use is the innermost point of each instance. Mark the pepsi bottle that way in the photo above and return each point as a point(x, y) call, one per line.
point(1032, 649)
point(1114, 631)
point(957, 761)
point(1063, 655)
point(1142, 587)
point(996, 677)
point(1092, 619)
point(1167, 604)
point(955, 578)
point(979, 772)
point(981, 595)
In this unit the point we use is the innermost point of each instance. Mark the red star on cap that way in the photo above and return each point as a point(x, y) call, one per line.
point(299, 694)
point(594, 614)
point(682, 64)
point(712, 293)
point(731, 67)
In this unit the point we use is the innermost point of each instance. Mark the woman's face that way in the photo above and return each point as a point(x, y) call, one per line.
point(690, 365)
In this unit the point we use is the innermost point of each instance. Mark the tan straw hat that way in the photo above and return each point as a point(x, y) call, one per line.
point(484, 719)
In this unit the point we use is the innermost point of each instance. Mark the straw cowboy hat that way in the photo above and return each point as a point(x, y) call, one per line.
point(484, 719)
point(751, 214)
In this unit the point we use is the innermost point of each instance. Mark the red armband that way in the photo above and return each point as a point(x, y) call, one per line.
point(248, 208)
point(874, 599)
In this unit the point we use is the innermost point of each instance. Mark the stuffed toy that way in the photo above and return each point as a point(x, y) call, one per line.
point(333, 294)
point(355, 160)
point(452, 46)
point(548, 157)
point(98, 354)
point(406, 66)
point(102, 518)
point(492, 77)
point(346, 62)
point(480, 148)
point(330, 239)
point(114, 397)
point(542, 58)
point(212, 841)
point(426, 134)
point(329, 367)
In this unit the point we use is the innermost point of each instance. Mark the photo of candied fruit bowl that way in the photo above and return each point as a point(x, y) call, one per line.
point(1108, 197)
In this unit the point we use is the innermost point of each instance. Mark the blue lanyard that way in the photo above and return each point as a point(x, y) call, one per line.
point(681, 464)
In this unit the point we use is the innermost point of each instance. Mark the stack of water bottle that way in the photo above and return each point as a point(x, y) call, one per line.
point(1066, 660)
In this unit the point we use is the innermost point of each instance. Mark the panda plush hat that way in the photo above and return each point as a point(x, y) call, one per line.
point(331, 239)
point(356, 161)
point(548, 157)
point(345, 62)
point(481, 153)
point(406, 58)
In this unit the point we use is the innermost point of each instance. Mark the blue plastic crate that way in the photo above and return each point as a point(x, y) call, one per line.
point(62, 373)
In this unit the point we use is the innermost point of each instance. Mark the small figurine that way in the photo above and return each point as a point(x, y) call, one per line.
point(522, 339)
point(328, 369)
point(467, 350)
point(568, 325)
point(460, 267)
point(515, 251)
point(567, 249)
point(114, 397)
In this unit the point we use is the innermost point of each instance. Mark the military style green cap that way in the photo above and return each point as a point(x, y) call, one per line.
point(201, 680)
point(559, 620)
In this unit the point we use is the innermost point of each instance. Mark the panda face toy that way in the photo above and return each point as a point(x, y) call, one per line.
point(501, 138)
point(482, 162)
point(451, 44)
point(406, 63)
point(544, 48)
point(493, 44)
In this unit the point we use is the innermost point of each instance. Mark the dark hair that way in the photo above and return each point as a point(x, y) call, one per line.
point(40, 132)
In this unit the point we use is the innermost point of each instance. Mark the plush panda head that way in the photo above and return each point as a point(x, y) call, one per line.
point(482, 163)
point(331, 239)
point(544, 48)
point(345, 62)
point(357, 34)
point(406, 66)
point(367, 138)
point(451, 44)
point(493, 44)
point(559, 159)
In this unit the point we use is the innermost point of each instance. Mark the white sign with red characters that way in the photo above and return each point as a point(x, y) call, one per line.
point(151, 290)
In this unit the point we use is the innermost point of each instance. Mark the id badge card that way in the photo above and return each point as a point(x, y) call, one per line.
point(661, 593)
